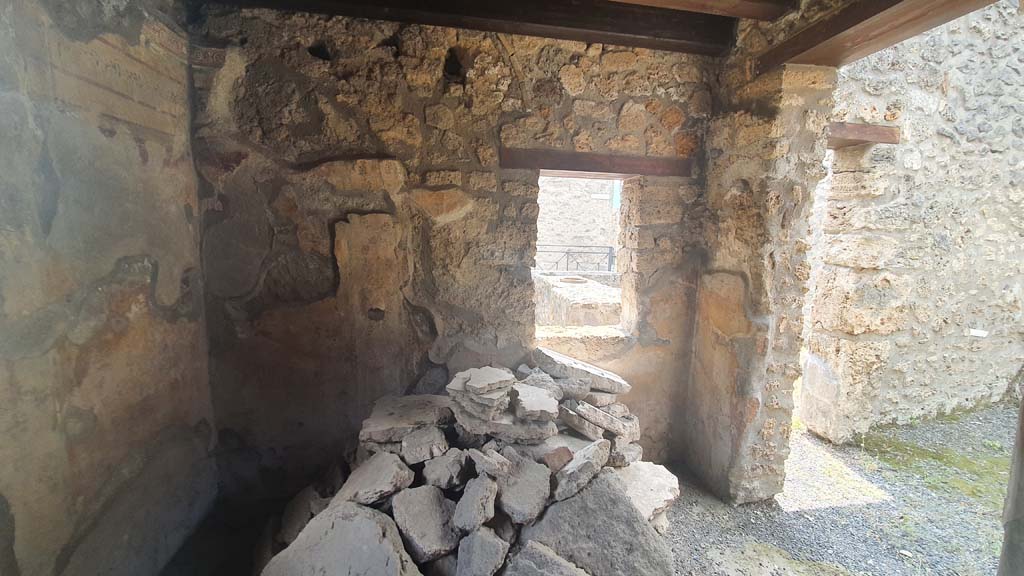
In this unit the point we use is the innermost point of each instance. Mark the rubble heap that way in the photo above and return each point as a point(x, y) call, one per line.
point(537, 471)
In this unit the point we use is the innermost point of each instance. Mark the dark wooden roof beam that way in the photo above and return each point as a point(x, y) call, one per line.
point(863, 27)
point(752, 9)
point(593, 21)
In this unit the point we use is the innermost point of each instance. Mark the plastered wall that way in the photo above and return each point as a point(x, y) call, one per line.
point(106, 424)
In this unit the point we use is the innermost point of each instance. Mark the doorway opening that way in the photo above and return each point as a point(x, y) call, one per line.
point(577, 282)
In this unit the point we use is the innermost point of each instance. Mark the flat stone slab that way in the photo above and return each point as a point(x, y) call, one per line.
point(651, 487)
point(618, 409)
point(543, 380)
point(345, 539)
point(489, 462)
point(424, 516)
point(584, 465)
point(560, 441)
point(601, 531)
point(627, 427)
point(506, 427)
point(580, 424)
point(379, 477)
point(481, 553)
point(601, 399)
point(482, 410)
point(495, 398)
point(476, 506)
point(485, 379)
point(423, 444)
point(533, 403)
point(573, 388)
point(395, 416)
point(536, 559)
point(523, 494)
point(561, 366)
point(448, 470)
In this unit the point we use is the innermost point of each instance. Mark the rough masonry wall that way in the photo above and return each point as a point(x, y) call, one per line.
point(765, 150)
point(918, 300)
point(318, 138)
point(105, 415)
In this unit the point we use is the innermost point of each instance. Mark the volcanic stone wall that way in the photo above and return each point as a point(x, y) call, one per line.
point(361, 240)
point(765, 149)
point(765, 145)
point(918, 300)
point(105, 416)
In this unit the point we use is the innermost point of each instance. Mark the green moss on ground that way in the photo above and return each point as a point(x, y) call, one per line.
point(982, 477)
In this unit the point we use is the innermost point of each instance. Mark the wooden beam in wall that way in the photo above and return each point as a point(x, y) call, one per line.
point(863, 27)
point(592, 21)
point(843, 135)
point(603, 165)
point(753, 9)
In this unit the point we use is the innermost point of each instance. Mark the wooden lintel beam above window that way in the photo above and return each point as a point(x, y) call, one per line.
point(591, 21)
point(609, 165)
point(752, 9)
point(843, 135)
point(863, 27)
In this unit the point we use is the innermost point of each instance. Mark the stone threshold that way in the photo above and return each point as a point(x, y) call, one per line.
point(595, 343)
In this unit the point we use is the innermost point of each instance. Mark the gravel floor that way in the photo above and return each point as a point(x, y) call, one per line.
point(920, 499)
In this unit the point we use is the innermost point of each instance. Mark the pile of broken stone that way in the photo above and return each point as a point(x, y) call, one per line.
point(527, 473)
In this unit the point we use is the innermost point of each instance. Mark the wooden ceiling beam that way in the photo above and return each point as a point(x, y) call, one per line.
point(600, 165)
point(843, 135)
point(592, 21)
point(752, 9)
point(863, 27)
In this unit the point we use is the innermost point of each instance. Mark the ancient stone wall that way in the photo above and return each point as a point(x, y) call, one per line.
point(765, 147)
point(918, 300)
point(764, 153)
point(105, 415)
point(577, 212)
point(318, 138)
